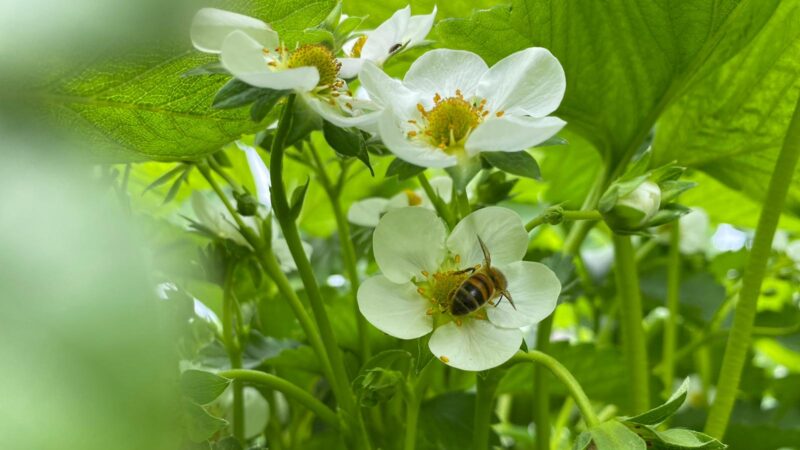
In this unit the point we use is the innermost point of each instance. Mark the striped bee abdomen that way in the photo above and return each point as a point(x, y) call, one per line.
point(472, 294)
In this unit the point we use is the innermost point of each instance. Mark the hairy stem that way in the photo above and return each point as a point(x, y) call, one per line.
point(633, 340)
point(288, 389)
point(744, 316)
point(283, 213)
point(441, 208)
point(552, 217)
point(348, 249)
point(673, 298)
point(233, 346)
point(566, 378)
point(484, 400)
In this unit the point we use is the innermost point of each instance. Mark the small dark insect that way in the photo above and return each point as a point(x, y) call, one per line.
point(395, 48)
point(483, 285)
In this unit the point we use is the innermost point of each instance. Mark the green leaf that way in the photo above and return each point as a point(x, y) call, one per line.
point(642, 55)
point(236, 93)
point(445, 422)
point(515, 163)
point(736, 137)
point(613, 435)
point(676, 439)
point(229, 443)
point(200, 425)
point(139, 105)
point(202, 387)
point(298, 197)
point(173, 190)
point(403, 170)
point(661, 413)
point(347, 142)
point(163, 179)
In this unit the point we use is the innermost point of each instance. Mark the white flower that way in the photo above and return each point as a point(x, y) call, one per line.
point(793, 252)
point(368, 212)
point(450, 106)
point(252, 52)
point(400, 32)
point(211, 213)
point(695, 231)
point(634, 209)
point(421, 268)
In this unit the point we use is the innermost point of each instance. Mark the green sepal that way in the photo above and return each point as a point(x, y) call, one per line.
point(347, 142)
point(264, 104)
point(464, 172)
point(298, 198)
point(664, 411)
point(516, 163)
point(202, 387)
point(200, 425)
point(246, 204)
point(404, 170)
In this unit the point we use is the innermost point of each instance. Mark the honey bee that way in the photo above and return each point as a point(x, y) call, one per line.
point(484, 285)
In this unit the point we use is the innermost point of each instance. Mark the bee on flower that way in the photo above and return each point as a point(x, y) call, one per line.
point(471, 289)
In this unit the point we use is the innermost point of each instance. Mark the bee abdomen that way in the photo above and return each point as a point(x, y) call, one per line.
point(472, 294)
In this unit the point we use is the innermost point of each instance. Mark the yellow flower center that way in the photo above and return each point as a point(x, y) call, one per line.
point(413, 198)
point(450, 121)
point(358, 46)
point(317, 56)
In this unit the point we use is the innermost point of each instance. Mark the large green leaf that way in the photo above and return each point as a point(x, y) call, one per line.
point(731, 125)
point(625, 60)
point(139, 105)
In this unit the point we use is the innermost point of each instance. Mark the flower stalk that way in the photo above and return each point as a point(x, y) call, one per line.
point(441, 208)
point(633, 340)
point(566, 378)
point(290, 390)
point(673, 298)
point(486, 385)
point(348, 250)
point(283, 213)
point(744, 316)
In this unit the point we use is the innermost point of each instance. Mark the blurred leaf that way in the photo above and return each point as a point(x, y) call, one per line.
point(139, 105)
point(742, 436)
point(516, 163)
point(202, 387)
point(402, 169)
point(642, 55)
point(229, 443)
point(200, 424)
point(347, 142)
point(736, 137)
point(445, 422)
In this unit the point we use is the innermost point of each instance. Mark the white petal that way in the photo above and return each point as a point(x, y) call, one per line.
point(475, 345)
point(244, 58)
point(395, 309)
point(408, 241)
point(260, 174)
point(386, 91)
point(211, 26)
point(336, 116)
point(367, 212)
point(444, 71)
point(419, 27)
point(534, 289)
point(530, 81)
point(501, 229)
point(350, 67)
point(512, 133)
point(415, 151)
point(386, 36)
point(443, 186)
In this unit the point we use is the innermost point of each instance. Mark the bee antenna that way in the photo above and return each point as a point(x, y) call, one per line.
point(507, 295)
point(485, 250)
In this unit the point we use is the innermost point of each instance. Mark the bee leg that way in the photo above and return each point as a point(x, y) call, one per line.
point(507, 295)
point(469, 270)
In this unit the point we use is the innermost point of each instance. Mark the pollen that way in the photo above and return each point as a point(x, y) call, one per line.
point(500, 113)
point(450, 120)
point(444, 359)
point(320, 57)
point(358, 46)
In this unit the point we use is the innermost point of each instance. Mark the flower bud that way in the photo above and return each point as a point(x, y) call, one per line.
point(634, 209)
point(246, 204)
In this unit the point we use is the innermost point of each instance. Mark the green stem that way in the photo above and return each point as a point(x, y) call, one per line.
point(441, 208)
point(566, 378)
point(233, 346)
point(633, 340)
point(541, 383)
point(556, 216)
point(412, 417)
point(221, 172)
point(673, 299)
point(267, 260)
point(484, 400)
point(561, 421)
point(348, 249)
point(744, 316)
point(462, 202)
point(290, 390)
point(280, 204)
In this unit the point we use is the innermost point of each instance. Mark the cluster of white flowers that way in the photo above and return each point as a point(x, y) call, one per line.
point(449, 107)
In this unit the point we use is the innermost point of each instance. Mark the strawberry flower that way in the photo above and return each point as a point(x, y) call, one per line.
point(422, 267)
